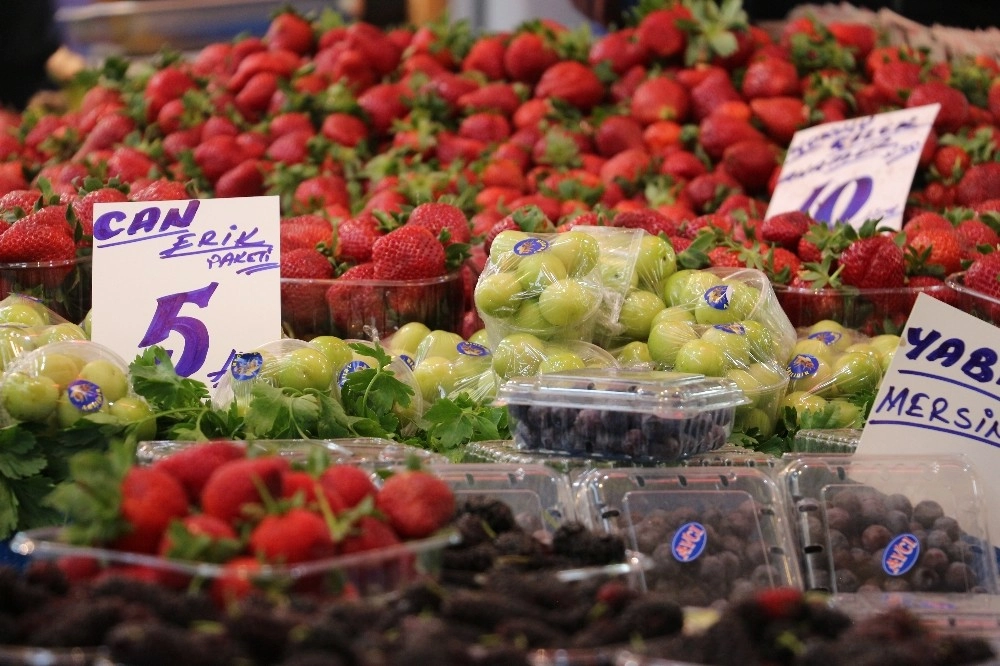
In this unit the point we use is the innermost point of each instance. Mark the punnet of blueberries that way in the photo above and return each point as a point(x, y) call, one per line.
point(641, 415)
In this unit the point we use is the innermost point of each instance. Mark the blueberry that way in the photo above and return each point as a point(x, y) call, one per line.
point(846, 580)
point(765, 576)
point(899, 502)
point(938, 539)
point(875, 537)
point(950, 526)
point(873, 511)
point(896, 521)
point(926, 512)
point(934, 559)
point(960, 577)
point(924, 579)
point(847, 500)
point(839, 519)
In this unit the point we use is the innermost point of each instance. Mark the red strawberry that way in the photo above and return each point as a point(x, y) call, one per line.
point(874, 262)
point(660, 34)
point(785, 229)
point(351, 305)
point(304, 486)
point(941, 246)
point(240, 577)
point(351, 483)
point(383, 103)
point(150, 500)
point(781, 117)
point(306, 263)
point(628, 169)
point(160, 190)
point(954, 104)
point(218, 154)
point(296, 536)
point(438, 217)
point(290, 32)
point(722, 255)
point(708, 191)
point(320, 193)
point(199, 538)
point(573, 82)
point(527, 56)
point(781, 265)
point(109, 131)
point(344, 129)
point(925, 221)
point(894, 81)
point(246, 179)
point(983, 275)
point(83, 207)
point(660, 98)
point(683, 165)
point(621, 49)
point(24, 199)
point(859, 38)
point(719, 131)
point(291, 148)
point(31, 240)
point(973, 233)
point(408, 253)
point(951, 162)
point(485, 127)
point(416, 503)
point(355, 237)
point(486, 56)
point(711, 92)
point(980, 183)
point(780, 603)
point(770, 77)
point(618, 133)
point(164, 85)
point(498, 97)
point(368, 533)
point(751, 163)
point(305, 231)
point(192, 466)
point(233, 491)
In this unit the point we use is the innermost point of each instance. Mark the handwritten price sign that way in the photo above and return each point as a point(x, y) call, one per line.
point(854, 170)
point(199, 278)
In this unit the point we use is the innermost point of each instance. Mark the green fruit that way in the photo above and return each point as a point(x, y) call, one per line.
point(768, 374)
point(77, 401)
point(803, 401)
point(60, 368)
point(813, 347)
point(618, 275)
point(755, 419)
point(762, 344)
point(856, 372)
point(87, 323)
point(674, 313)
point(23, 313)
point(688, 287)
point(733, 342)
point(561, 360)
point(502, 247)
point(810, 373)
point(745, 381)
point(439, 343)
point(336, 350)
point(845, 414)
point(480, 337)
point(666, 338)
point(304, 368)
point(655, 262)
point(725, 303)
point(112, 380)
point(635, 353)
point(433, 376)
point(407, 337)
point(537, 271)
point(566, 302)
point(578, 251)
point(700, 357)
point(498, 294)
point(28, 398)
point(134, 410)
point(59, 333)
point(518, 355)
point(638, 310)
point(529, 318)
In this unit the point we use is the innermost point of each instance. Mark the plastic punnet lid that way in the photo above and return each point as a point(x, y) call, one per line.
point(672, 395)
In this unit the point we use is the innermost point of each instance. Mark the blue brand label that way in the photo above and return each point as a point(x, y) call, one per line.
point(689, 542)
point(803, 365)
point(530, 246)
point(901, 554)
point(718, 296)
point(735, 329)
point(85, 396)
point(408, 360)
point(826, 337)
point(472, 349)
point(246, 365)
point(353, 366)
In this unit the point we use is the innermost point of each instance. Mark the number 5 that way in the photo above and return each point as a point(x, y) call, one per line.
point(167, 318)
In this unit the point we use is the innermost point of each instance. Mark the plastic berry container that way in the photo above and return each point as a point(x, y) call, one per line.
point(62, 286)
point(876, 531)
point(539, 497)
point(641, 415)
point(715, 534)
point(834, 440)
point(972, 301)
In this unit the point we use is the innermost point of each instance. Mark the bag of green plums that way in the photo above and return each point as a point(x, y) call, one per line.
point(27, 324)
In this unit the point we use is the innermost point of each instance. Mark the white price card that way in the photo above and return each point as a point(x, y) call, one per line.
point(198, 277)
point(854, 170)
point(941, 395)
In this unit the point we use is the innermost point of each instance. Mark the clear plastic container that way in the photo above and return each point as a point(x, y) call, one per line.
point(539, 497)
point(834, 440)
point(715, 534)
point(643, 415)
point(62, 286)
point(974, 302)
point(876, 531)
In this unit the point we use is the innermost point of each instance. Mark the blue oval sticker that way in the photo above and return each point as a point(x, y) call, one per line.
point(472, 349)
point(734, 328)
point(689, 542)
point(246, 365)
point(826, 337)
point(408, 360)
point(718, 296)
point(803, 365)
point(900, 555)
point(530, 246)
point(353, 366)
point(85, 395)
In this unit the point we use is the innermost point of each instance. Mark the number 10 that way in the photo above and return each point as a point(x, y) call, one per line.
point(824, 211)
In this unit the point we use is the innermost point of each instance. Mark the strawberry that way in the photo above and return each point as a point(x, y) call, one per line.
point(498, 97)
point(216, 155)
point(708, 191)
point(527, 56)
point(160, 190)
point(954, 104)
point(875, 262)
point(682, 165)
point(199, 538)
point(303, 487)
point(722, 255)
point(150, 499)
point(983, 275)
point(83, 207)
point(383, 103)
point(236, 489)
point(296, 536)
point(355, 237)
point(780, 265)
point(894, 81)
point(368, 533)
point(925, 221)
point(628, 169)
point(352, 305)
point(572, 82)
point(780, 603)
point(351, 483)
point(485, 127)
point(659, 32)
point(408, 253)
point(770, 77)
point(344, 129)
point(712, 92)
point(751, 163)
point(660, 98)
point(306, 263)
point(109, 131)
point(416, 503)
point(859, 38)
point(620, 49)
point(780, 117)
point(193, 465)
point(785, 229)
point(306, 231)
point(239, 578)
point(289, 31)
point(951, 162)
point(980, 183)
point(974, 233)
point(32, 240)
point(938, 250)
point(291, 148)
point(618, 133)
point(164, 85)
point(717, 131)
point(442, 217)
point(320, 192)
point(486, 55)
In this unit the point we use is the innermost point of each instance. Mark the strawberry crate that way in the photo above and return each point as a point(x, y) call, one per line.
point(974, 302)
point(871, 311)
point(345, 307)
point(62, 286)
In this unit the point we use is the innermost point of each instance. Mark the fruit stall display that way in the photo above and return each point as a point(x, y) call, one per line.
point(475, 229)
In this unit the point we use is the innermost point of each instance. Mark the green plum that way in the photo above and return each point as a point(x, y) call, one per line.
point(666, 338)
point(133, 409)
point(529, 318)
point(809, 373)
point(517, 355)
point(497, 294)
point(673, 313)
point(106, 374)
point(23, 312)
point(337, 350)
point(561, 360)
point(60, 368)
point(480, 337)
point(725, 303)
point(635, 353)
point(845, 414)
point(537, 271)
point(439, 343)
point(407, 337)
point(688, 287)
point(733, 342)
point(803, 401)
point(655, 262)
point(59, 333)
point(304, 368)
point(638, 310)
point(28, 398)
point(567, 301)
point(502, 247)
point(618, 275)
point(755, 418)
point(856, 372)
point(578, 250)
point(433, 376)
point(813, 347)
point(700, 357)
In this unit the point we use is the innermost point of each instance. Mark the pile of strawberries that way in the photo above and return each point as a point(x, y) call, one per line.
point(676, 123)
point(213, 503)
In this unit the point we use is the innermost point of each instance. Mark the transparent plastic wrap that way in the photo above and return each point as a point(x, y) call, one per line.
point(444, 364)
point(974, 302)
point(715, 534)
point(524, 355)
point(553, 286)
point(27, 323)
point(641, 415)
point(282, 363)
point(64, 287)
point(63, 381)
point(878, 531)
point(833, 372)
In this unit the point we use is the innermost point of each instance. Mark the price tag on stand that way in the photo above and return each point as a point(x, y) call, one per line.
point(199, 278)
point(941, 396)
point(854, 170)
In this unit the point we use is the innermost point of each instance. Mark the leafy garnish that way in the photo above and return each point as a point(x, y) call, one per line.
point(451, 422)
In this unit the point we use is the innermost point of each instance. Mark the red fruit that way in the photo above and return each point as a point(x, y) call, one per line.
point(199, 539)
point(239, 578)
point(781, 265)
point(659, 32)
point(980, 183)
point(859, 38)
point(218, 154)
point(290, 32)
point(498, 97)
point(485, 127)
point(895, 80)
point(751, 163)
point(109, 131)
point(306, 263)
point(573, 82)
point(711, 92)
point(722, 255)
point(164, 85)
point(951, 162)
point(233, 492)
point(416, 503)
point(954, 104)
point(305, 231)
point(974, 233)
point(383, 103)
point(353, 305)
point(368, 533)
point(618, 133)
point(983, 275)
point(83, 207)
point(527, 57)
point(718, 131)
point(279, 62)
point(648, 219)
point(246, 179)
point(660, 98)
point(621, 49)
point(682, 165)
point(408, 253)
point(438, 217)
point(770, 77)
point(160, 190)
point(708, 191)
point(628, 168)
point(292, 148)
point(779, 603)
point(785, 229)
point(925, 221)
point(150, 499)
point(943, 246)
point(781, 117)
point(875, 262)
point(297, 536)
point(320, 192)
point(486, 56)
point(344, 129)
point(31, 240)
point(192, 466)
point(355, 237)
point(808, 251)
